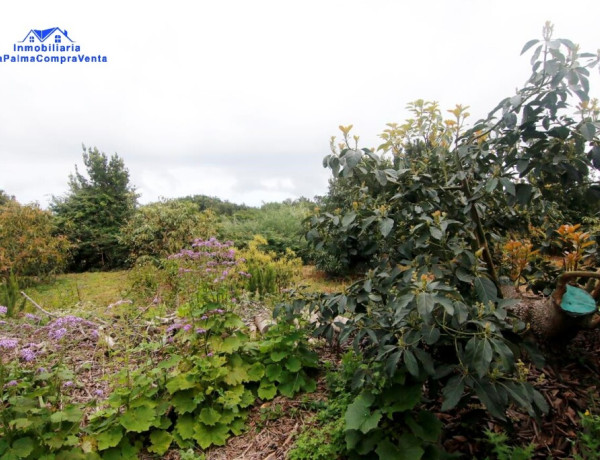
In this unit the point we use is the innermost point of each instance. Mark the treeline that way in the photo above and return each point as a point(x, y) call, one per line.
point(99, 225)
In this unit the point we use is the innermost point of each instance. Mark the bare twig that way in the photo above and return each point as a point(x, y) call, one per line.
point(52, 315)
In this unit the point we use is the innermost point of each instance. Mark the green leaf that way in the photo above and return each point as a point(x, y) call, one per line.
point(523, 194)
point(184, 401)
point(411, 363)
point(528, 45)
point(358, 414)
point(209, 416)
point(293, 364)
point(70, 414)
point(266, 390)
point(206, 436)
point(425, 304)
point(256, 372)
point(426, 427)
point(138, 419)
point(478, 355)
point(385, 226)
point(486, 290)
point(181, 382)
point(160, 441)
point(22, 447)
point(273, 372)
point(452, 392)
point(109, 438)
point(408, 448)
point(588, 130)
point(436, 233)
point(277, 356)
point(237, 371)
point(400, 398)
point(185, 426)
point(348, 218)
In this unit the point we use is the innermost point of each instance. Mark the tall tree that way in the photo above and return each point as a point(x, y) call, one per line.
point(94, 210)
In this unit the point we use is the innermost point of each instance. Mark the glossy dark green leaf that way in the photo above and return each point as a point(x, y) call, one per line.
point(385, 226)
point(453, 392)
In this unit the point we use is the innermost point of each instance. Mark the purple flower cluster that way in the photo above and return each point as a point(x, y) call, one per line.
point(32, 317)
point(8, 344)
point(58, 328)
point(12, 383)
point(27, 353)
point(3, 310)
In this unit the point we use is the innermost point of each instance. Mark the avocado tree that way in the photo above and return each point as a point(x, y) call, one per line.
point(428, 317)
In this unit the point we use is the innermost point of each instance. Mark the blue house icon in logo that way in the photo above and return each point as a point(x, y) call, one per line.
point(53, 35)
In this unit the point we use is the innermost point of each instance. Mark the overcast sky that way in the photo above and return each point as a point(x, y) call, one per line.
point(238, 99)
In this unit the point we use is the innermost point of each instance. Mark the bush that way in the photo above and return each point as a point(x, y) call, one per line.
point(28, 246)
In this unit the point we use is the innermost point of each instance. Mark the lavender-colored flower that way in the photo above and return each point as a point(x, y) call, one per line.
point(12, 383)
point(187, 327)
point(174, 327)
point(41, 370)
point(57, 334)
point(204, 317)
point(68, 384)
point(32, 317)
point(27, 354)
point(200, 331)
point(208, 355)
point(95, 333)
point(8, 343)
point(99, 393)
point(3, 322)
point(3, 310)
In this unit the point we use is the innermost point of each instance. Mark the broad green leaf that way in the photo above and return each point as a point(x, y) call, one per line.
point(408, 448)
point(266, 390)
point(138, 419)
point(293, 364)
point(69, 414)
point(232, 397)
point(209, 416)
point(426, 426)
point(184, 401)
point(22, 447)
point(452, 392)
point(348, 218)
point(273, 372)
point(185, 426)
point(237, 371)
point(425, 304)
point(256, 372)
point(478, 355)
point(181, 382)
point(528, 45)
point(160, 441)
point(109, 438)
point(385, 226)
point(436, 233)
point(277, 356)
point(486, 290)
point(206, 435)
point(358, 414)
point(588, 130)
point(411, 363)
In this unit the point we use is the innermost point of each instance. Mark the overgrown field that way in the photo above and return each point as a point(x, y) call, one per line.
point(440, 301)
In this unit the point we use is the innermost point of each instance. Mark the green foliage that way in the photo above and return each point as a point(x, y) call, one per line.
point(200, 394)
point(503, 451)
point(5, 198)
point(94, 210)
point(427, 317)
point(279, 223)
point(588, 440)
point(217, 205)
point(159, 229)
point(27, 244)
point(269, 273)
point(36, 416)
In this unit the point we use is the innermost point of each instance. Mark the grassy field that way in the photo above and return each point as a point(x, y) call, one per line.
point(94, 290)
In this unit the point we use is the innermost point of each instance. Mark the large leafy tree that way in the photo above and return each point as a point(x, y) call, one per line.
point(27, 244)
point(94, 210)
